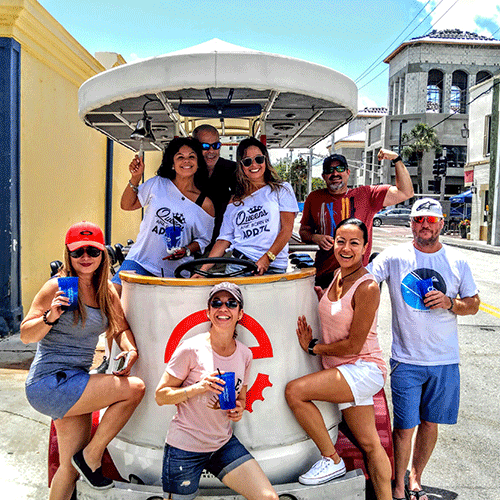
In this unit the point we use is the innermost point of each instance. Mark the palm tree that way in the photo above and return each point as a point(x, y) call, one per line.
point(422, 138)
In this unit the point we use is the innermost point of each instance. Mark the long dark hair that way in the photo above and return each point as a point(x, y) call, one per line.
point(101, 286)
point(167, 163)
point(243, 184)
point(352, 221)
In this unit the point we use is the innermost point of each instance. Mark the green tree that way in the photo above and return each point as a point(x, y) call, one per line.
point(317, 183)
point(422, 138)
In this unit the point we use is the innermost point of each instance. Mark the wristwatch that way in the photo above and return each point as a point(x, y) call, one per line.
point(310, 347)
point(398, 158)
point(188, 252)
point(271, 256)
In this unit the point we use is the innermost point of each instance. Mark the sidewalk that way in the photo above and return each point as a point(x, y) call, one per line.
point(479, 246)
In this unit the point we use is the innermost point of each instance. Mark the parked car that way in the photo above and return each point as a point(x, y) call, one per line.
point(392, 216)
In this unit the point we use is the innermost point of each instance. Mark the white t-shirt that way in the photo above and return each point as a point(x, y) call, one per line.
point(422, 336)
point(197, 426)
point(170, 220)
point(252, 226)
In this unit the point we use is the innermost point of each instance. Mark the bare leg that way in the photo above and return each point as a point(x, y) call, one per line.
point(361, 421)
point(325, 385)
point(249, 480)
point(121, 395)
point(425, 441)
point(402, 452)
point(73, 433)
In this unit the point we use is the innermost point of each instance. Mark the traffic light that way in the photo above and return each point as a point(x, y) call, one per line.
point(435, 167)
point(442, 162)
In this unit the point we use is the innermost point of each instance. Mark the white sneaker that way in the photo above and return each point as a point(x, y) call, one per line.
point(322, 471)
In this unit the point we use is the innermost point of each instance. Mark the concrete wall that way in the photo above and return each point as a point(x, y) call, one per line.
point(63, 161)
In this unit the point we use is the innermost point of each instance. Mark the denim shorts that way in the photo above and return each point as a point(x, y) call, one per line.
point(130, 265)
point(429, 393)
point(182, 469)
point(54, 395)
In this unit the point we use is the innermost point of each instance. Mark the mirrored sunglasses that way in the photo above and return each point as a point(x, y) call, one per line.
point(206, 145)
point(90, 251)
point(230, 303)
point(259, 159)
point(431, 219)
point(338, 168)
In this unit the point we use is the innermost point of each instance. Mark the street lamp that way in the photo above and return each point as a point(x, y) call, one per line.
point(465, 131)
point(400, 133)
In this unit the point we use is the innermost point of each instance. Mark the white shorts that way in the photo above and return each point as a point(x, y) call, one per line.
point(365, 379)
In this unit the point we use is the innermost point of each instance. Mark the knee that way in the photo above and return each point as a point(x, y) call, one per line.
point(138, 389)
point(269, 495)
point(292, 393)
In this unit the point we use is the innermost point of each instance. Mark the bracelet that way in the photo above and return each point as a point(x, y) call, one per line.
point(398, 158)
point(452, 304)
point(271, 256)
point(310, 347)
point(133, 187)
point(46, 321)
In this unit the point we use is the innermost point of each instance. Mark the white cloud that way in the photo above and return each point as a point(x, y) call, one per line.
point(464, 15)
point(365, 102)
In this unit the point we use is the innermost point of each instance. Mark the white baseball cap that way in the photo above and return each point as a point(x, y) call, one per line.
point(426, 206)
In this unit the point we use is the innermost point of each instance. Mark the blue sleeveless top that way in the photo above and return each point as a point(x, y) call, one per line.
point(68, 346)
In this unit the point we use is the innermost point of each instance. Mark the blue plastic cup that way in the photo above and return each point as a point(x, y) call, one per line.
point(173, 237)
point(425, 286)
point(227, 398)
point(69, 285)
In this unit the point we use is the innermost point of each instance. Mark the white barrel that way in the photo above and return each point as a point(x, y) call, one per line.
point(160, 310)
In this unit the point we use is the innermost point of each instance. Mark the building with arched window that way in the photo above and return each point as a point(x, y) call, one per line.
point(430, 78)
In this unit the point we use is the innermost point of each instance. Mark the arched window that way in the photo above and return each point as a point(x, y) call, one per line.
point(435, 91)
point(458, 96)
point(482, 76)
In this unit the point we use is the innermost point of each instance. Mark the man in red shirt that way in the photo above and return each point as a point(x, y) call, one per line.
point(325, 208)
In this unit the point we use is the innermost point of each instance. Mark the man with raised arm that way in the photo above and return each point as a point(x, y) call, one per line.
point(221, 172)
point(430, 284)
point(325, 208)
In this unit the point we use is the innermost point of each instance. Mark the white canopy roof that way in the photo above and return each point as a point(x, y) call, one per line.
point(301, 102)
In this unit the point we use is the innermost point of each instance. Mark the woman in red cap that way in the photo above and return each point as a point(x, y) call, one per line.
point(59, 383)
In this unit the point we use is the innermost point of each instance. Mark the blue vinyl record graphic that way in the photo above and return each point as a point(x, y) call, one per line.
point(411, 290)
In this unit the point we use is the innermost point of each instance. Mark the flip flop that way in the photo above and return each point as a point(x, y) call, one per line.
point(418, 494)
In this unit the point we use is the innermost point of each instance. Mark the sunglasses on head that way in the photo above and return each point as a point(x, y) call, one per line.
point(431, 219)
point(230, 303)
point(259, 159)
point(90, 251)
point(331, 169)
point(206, 145)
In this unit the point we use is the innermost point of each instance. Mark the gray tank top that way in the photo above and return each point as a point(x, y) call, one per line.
point(68, 346)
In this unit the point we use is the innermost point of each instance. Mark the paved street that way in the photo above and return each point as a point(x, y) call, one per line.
point(464, 465)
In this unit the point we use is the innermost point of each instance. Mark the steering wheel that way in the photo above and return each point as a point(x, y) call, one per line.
point(193, 267)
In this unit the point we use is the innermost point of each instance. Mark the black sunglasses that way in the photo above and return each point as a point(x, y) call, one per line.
point(331, 169)
point(230, 303)
point(206, 146)
point(259, 159)
point(90, 251)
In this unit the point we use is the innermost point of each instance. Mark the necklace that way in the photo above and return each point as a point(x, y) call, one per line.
point(342, 278)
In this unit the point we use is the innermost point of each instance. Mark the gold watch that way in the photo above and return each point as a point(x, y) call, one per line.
point(271, 256)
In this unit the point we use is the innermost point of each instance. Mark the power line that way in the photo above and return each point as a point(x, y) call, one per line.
point(392, 43)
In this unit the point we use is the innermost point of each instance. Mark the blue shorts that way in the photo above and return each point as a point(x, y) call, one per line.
point(54, 395)
point(182, 469)
point(429, 393)
point(129, 265)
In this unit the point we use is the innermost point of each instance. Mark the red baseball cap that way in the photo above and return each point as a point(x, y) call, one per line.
point(84, 234)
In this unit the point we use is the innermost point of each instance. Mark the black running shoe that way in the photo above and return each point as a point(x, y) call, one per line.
point(94, 479)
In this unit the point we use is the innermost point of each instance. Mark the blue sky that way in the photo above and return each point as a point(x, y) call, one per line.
point(347, 35)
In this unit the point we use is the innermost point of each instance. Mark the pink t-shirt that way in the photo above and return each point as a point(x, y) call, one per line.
point(336, 319)
point(197, 426)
